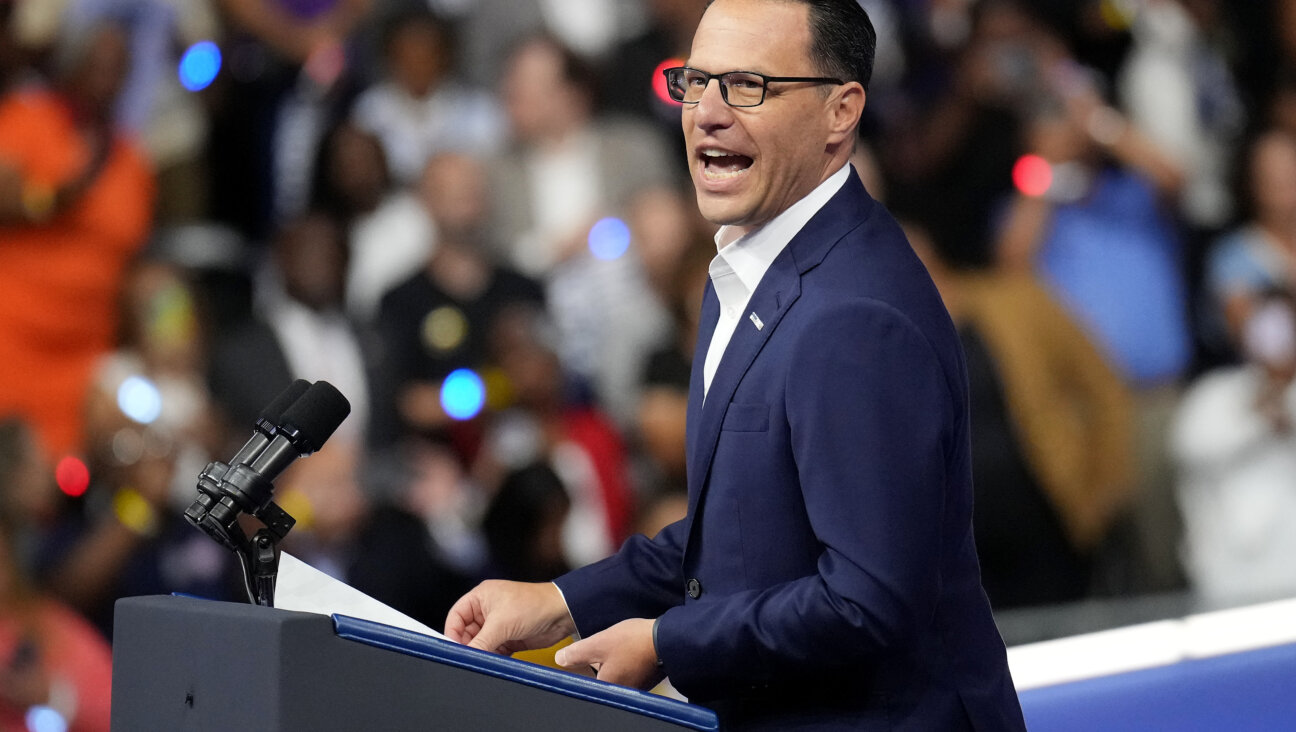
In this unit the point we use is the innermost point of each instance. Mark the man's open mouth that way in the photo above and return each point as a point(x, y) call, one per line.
point(719, 164)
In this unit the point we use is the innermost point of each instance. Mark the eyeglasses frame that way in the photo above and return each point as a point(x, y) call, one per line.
point(724, 90)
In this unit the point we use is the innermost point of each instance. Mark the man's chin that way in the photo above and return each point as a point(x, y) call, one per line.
point(723, 211)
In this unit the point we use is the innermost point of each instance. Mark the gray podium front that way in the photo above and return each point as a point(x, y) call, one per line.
point(183, 664)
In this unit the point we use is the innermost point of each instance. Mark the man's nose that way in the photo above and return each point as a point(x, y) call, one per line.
point(712, 110)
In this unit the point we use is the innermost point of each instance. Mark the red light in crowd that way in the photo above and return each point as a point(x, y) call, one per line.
point(72, 475)
point(659, 80)
point(1032, 175)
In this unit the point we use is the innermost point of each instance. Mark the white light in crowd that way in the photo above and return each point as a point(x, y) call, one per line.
point(139, 399)
point(609, 238)
point(45, 719)
point(463, 394)
point(200, 65)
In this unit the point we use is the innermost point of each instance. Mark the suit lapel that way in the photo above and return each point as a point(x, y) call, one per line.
point(706, 327)
point(777, 291)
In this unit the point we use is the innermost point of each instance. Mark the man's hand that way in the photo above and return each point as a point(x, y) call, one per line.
point(507, 617)
point(623, 654)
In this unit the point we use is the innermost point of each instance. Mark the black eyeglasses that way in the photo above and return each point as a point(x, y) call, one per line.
point(737, 88)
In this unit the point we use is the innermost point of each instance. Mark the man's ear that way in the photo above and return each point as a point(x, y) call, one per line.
point(845, 107)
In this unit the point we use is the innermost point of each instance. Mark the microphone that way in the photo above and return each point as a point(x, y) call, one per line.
point(267, 423)
point(265, 428)
point(306, 425)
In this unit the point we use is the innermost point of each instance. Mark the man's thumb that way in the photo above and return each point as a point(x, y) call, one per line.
point(486, 640)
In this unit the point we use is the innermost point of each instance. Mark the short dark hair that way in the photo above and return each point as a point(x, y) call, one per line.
point(842, 39)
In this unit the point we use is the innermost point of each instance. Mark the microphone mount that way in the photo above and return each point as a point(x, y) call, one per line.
point(295, 425)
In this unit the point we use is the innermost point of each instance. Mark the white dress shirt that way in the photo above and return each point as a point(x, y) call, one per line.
point(743, 257)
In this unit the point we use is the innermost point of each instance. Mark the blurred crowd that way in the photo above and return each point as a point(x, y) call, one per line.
point(473, 217)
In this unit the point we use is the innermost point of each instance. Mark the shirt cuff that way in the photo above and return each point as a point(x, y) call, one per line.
point(575, 630)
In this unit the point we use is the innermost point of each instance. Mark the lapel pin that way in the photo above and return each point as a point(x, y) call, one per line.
point(755, 319)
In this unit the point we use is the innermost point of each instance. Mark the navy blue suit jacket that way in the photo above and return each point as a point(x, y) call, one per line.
point(825, 576)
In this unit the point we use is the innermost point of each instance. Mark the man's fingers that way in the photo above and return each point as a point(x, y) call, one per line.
point(579, 653)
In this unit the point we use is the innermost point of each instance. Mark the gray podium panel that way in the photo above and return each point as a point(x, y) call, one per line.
point(184, 664)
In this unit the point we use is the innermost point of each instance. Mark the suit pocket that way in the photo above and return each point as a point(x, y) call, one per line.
point(746, 418)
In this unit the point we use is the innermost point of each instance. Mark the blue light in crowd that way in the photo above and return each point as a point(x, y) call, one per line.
point(199, 65)
point(45, 719)
point(609, 238)
point(139, 399)
point(463, 394)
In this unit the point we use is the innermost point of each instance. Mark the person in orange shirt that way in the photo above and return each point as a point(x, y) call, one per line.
point(75, 205)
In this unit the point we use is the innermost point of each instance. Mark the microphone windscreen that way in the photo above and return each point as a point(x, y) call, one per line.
point(317, 413)
point(274, 411)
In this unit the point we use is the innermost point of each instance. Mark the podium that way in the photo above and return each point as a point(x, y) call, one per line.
point(182, 663)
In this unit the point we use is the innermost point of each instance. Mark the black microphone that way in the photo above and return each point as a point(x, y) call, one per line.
point(306, 425)
point(268, 422)
point(265, 427)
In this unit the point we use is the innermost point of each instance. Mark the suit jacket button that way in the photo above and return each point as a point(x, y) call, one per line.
point(694, 588)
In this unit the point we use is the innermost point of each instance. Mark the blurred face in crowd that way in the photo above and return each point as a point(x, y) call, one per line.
point(312, 257)
point(750, 164)
point(541, 102)
point(417, 58)
point(357, 168)
point(1273, 180)
point(454, 193)
point(96, 77)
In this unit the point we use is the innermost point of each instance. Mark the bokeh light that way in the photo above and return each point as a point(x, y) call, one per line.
point(72, 476)
point(199, 65)
point(462, 394)
point(659, 81)
point(609, 238)
point(41, 718)
point(139, 399)
point(1032, 175)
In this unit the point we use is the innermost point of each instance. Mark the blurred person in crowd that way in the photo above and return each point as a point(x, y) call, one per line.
point(1260, 254)
point(170, 122)
point(958, 147)
point(420, 107)
point(1176, 86)
point(300, 331)
point(1235, 448)
point(544, 424)
point(150, 430)
point(1052, 433)
point(632, 81)
point(372, 545)
point(51, 657)
point(825, 576)
point(157, 372)
point(568, 169)
point(1092, 217)
point(76, 202)
point(12, 58)
point(389, 232)
point(127, 536)
point(291, 74)
point(440, 318)
point(567, 164)
point(524, 524)
point(429, 479)
point(663, 399)
point(482, 28)
point(31, 497)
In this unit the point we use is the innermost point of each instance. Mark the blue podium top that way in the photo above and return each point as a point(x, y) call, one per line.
point(410, 643)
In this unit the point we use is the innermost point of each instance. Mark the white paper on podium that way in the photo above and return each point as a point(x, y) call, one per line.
point(303, 588)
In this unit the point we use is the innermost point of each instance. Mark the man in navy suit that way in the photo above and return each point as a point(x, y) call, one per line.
point(825, 576)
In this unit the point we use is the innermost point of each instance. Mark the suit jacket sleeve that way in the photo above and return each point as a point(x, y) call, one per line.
point(872, 423)
point(642, 580)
